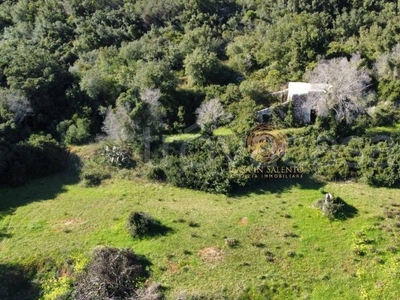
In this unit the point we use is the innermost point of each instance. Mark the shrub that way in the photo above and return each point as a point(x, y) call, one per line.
point(36, 157)
point(78, 133)
point(380, 164)
point(376, 161)
point(141, 224)
point(331, 209)
point(335, 207)
point(157, 173)
point(196, 172)
point(111, 274)
point(74, 132)
point(94, 177)
point(385, 115)
point(118, 156)
point(213, 165)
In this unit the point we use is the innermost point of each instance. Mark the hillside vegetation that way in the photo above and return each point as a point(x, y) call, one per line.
point(148, 65)
point(139, 110)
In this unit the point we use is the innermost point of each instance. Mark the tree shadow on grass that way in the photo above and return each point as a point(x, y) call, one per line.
point(157, 230)
point(346, 211)
point(16, 283)
point(263, 186)
point(4, 235)
point(41, 189)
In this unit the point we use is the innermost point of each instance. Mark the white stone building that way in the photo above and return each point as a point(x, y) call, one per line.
point(304, 97)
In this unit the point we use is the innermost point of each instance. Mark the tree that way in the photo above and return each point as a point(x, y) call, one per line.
point(117, 124)
point(201, 67)
point(387, 68)
point(291, 44)
point(209, 113)
point(136, 120)
point(244, 113)
point(17, 104)
point(152, 118)
point(347, 84)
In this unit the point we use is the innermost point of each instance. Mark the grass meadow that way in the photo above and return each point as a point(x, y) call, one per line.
point(264, 242)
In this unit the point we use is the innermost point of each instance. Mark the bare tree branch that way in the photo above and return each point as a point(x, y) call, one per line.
point(347, 83)
point(17, 104)
point(387, 65)
point(209, 113)
point(152, 98)
point(117, 124)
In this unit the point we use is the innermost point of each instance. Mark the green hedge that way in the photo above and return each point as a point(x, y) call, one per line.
point(208, 164)
point(374, 160)
point(36, 157)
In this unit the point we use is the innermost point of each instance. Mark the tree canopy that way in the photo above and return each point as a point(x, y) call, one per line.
point(63, 63)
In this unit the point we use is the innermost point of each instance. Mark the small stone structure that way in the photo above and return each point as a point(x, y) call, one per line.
point(304, 97)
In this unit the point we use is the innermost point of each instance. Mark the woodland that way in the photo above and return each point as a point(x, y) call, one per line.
point(74, 72)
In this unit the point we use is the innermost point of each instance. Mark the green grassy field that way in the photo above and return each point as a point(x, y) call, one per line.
point(222, 131)
point(286, 249)
point(384, 129)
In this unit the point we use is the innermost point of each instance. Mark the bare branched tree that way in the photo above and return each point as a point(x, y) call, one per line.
point(17, 104)
point(347, 86)
point(210, 113)
point(140, 125)
point(152, 118)
point(387, 66)
point(117, 124)
point(152, 98)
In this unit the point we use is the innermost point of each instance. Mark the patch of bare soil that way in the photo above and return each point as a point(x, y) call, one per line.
point(244, 221)
point(68, 224)
point(211, 254)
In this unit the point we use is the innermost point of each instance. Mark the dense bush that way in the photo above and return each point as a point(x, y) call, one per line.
point(196, 172)
point(111, 274)
point(36, 157)
point(385, 115)
point(213, 164)
point(78, 133)
point(374, 160)
point(141, 224)
point(157, 174)
point(380, 164)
